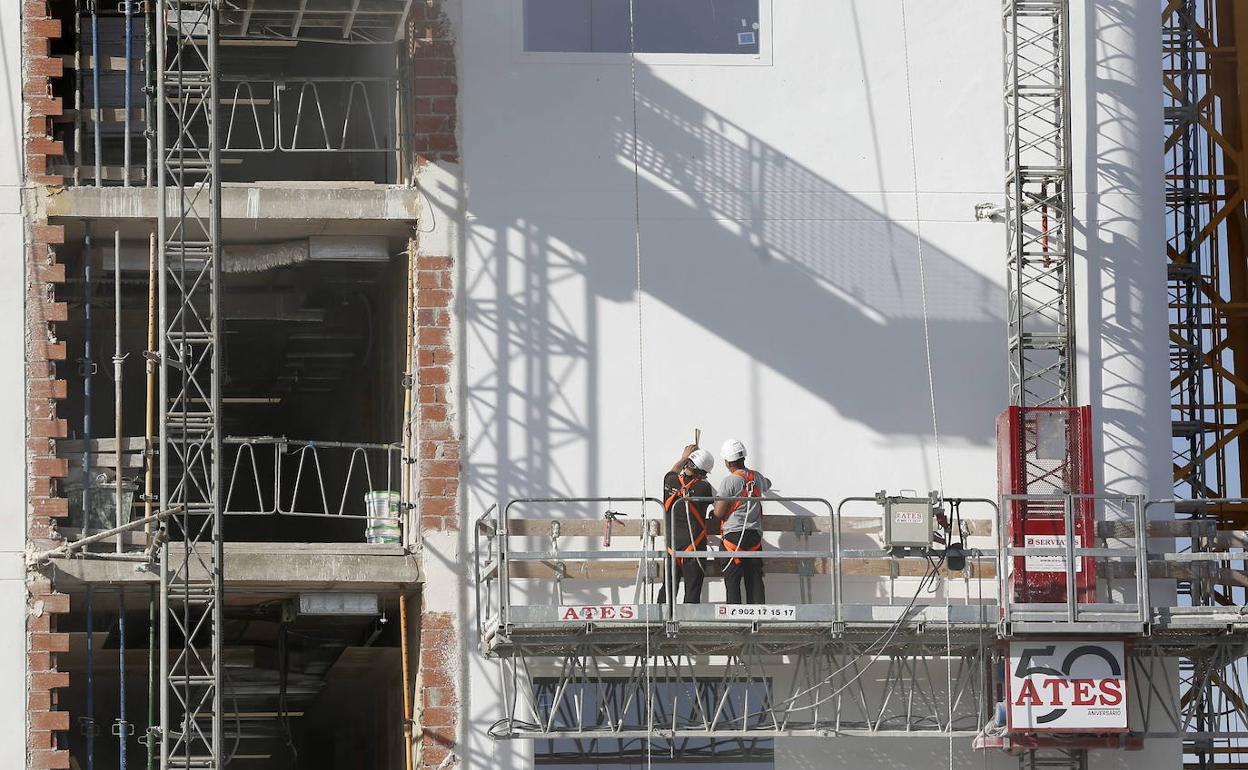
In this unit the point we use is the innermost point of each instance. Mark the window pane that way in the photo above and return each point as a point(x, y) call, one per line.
point(697, 26)
point(557, 25)
point(662, 26)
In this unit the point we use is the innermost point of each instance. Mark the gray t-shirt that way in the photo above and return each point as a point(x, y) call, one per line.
point(749, 515)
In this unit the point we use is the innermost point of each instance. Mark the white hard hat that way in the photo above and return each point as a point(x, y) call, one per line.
point(732, 450)
point(702, 460)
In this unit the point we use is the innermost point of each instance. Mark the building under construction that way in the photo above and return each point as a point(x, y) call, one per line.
point(357, 337)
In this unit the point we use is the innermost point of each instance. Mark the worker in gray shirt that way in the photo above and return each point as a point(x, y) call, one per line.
point(740, 514)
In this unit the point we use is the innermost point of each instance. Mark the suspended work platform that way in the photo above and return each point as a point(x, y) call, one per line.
point(855, 639)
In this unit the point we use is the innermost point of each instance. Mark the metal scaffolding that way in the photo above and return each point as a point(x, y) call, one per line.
point(1207, 289)
point(190, 419)
point(1038, 204)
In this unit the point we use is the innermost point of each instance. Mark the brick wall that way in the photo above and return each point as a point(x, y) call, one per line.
point(437, 466)
point(43, 390)
point(433, 86)
point(437, 451)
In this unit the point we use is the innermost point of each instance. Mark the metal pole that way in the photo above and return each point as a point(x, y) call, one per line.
point(78, 111)
point(87, 371)
point(97, 112)
point(126, 118)
point(89, 721)
point(149, 103)
point(123, 727)
point(151, 675)
point(120, 515)
point(149, 416)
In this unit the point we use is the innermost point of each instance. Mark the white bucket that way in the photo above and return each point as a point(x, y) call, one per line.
point(383, 523)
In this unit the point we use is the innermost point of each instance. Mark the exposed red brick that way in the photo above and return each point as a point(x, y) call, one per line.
point(48, 720)
point(433, 298)
point(48, 388)
point(54, 273)
point(44, 105)
point(45, 233)
point(55, 604)
point(48, 680)
point(433, 412)
point(56, 311)
point(34, 9)
point(45, 66)
point(51, 507)
point(48, 759)
point(425, 262)
point(38, 699)
point(54, 467)
point(56, 351)
point(36, 28)
point(45, 146)
point(49, 428)
point(432, 375)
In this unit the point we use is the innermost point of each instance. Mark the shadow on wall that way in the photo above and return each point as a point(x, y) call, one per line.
point(752, 246)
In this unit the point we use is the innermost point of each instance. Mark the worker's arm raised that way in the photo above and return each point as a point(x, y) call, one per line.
point(684, 457)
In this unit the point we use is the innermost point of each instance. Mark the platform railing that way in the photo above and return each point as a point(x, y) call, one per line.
point(276, 476)
point(817, 553)
point(1073, 568)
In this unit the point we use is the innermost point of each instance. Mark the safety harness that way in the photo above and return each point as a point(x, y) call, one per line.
point(751, 490)
point(696, 541)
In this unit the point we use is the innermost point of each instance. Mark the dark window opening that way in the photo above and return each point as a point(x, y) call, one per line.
point(660, 26)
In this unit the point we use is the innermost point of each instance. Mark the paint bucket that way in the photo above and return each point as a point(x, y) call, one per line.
point(382, 519)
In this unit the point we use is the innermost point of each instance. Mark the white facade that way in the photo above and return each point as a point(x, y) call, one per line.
point(12, 398)
point(778, 298)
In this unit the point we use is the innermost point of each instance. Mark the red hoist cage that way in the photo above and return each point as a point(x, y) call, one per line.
point(1046, 451)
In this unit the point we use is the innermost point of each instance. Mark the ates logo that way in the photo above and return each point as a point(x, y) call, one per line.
point(583, 612)
point(1067, 686)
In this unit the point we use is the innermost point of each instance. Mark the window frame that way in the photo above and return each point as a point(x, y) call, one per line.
point(761, 59)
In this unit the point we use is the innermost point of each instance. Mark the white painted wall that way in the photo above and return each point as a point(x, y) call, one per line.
point(780, 297)
point(12, 398)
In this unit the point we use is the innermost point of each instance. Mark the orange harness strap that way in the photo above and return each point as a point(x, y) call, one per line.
point(698, 539)
point(731, 546)
point(751, 490)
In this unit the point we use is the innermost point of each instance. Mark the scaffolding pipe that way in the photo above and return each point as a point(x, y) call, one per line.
point(123, 727)
point(149, 67)
point(149, 417)
point(125, 177)
point(407, 462)
point(87, 370)
point(68, 549)
point(120, 515)
point(409, 726)
point(151, 676)
point(88, 722)
point(78, 108)
point(97, 111)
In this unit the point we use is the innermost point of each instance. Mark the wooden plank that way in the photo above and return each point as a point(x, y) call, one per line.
point(128, 444)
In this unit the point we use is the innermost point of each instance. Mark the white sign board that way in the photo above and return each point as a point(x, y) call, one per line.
point(1067, 686)
point(756, 611)
point(1048, 563)
point(598, 612)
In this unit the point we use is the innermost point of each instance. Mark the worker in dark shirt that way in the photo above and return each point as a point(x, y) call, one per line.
point(686, 526)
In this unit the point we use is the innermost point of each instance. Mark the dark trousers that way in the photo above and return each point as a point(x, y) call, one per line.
point(748, 571)
point(690, 572)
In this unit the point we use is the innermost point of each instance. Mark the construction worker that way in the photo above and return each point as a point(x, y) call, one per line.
point(741, 523)
point(686, 525)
